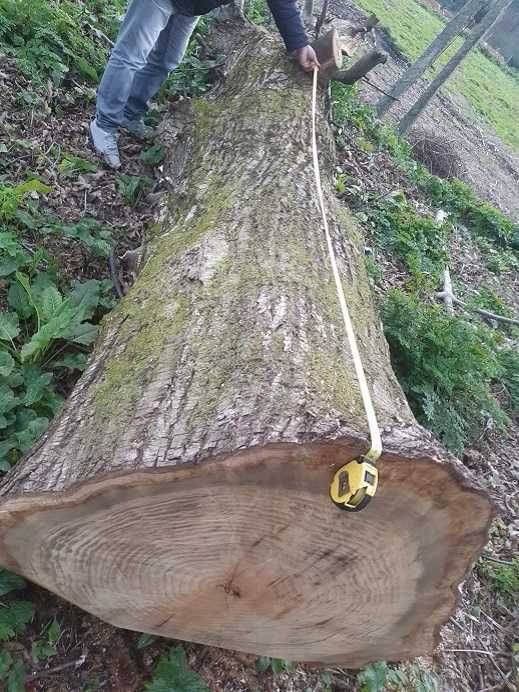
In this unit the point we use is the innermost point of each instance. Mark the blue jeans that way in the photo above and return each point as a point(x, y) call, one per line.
point(151, 43)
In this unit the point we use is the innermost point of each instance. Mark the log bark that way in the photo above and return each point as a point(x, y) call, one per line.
point(183, 489)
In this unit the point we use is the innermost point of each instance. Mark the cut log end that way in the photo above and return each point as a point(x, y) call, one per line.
point(328, 49)
point(249, 553)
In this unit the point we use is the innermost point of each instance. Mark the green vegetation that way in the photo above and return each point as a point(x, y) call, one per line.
point(492, 90)
point(379, 677)
point(446, 365)
point(504, 578)
point(278, 666)
point(418, 241)
point(15, 615)
point(54, 39)
point(257, 11)
point(45, 328)
point(131, 187)
point(173, 673)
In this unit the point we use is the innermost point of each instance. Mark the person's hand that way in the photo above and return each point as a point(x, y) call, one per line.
point(307, 58)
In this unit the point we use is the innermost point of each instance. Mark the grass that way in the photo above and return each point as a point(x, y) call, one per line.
point(491, 90)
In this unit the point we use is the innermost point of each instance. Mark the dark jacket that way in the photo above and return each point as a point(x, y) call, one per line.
point(285, 12)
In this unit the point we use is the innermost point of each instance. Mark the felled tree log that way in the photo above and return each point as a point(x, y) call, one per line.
point(183, 489)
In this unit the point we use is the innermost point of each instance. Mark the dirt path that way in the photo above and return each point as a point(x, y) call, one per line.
point(486, 163)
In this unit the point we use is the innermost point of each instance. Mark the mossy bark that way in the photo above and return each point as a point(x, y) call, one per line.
point(183, 489)
point(232, 334)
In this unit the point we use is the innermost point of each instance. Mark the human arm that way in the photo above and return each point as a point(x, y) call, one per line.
point(290, 25)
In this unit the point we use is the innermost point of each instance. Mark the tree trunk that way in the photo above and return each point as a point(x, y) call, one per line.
point(475, 36)
point(433, 50)
point(184, 488)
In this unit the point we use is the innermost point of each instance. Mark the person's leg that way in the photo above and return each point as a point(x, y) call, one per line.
point(163, 59)
point(139, 33)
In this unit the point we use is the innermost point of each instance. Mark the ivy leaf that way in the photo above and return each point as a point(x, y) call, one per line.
point(10, 582)
point(173, 673)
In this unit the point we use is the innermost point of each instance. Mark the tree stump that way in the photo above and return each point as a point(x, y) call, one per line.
point(184, 488)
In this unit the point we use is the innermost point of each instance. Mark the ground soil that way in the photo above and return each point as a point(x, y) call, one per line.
point(95, 656)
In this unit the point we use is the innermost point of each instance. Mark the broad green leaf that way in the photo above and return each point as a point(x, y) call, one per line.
point(82, 333)
point(5, 663)
point(8, 326)
point(263, 664)
point(9, 243)
point(72, 361)
point(145, 640)
point(36, 383)
point(10, 265)
point(19, 301)
point(50, 302)
point(86, 296)
point(372, 678)
point(33, 186)
point(16, 677)
point(6, 363)
point(9, 581)
point(28, 219)
point(54, 632)
point(12, 254)
point(8, 399)
point(75, 164)
point(173, 673)
point(42, 650)
point(33, 431)
point(6, 446)
point(25, 282)
point(90, 232)
point(39, 341)
point(152, 156)
point(14, 617)
point(23, 417)
point(51, 401)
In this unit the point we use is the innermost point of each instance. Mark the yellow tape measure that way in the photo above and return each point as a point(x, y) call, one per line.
point(355, 483)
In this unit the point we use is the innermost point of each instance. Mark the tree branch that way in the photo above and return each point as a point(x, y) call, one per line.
point(361, 67)
point(450, 300)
